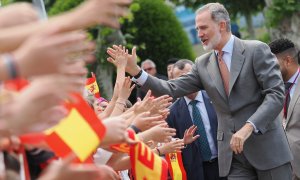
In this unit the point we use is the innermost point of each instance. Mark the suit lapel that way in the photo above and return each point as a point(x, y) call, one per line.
point(186, 121)
point(214, 73)
point(237, 61)
point(294, 99)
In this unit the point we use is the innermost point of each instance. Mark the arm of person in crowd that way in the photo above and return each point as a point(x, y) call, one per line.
point(189, 137)
point(144, 121)
point(46, 53)
point(159, 133)
point(65, 170)
point(179, 87)
point(115, 132)
point(124, 93)
point(170, 147)
point(18, 13)
point(119, 162)
point(89, 13)
point(35, 108)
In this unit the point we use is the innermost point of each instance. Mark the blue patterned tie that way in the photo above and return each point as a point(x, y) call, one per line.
point(202, 140)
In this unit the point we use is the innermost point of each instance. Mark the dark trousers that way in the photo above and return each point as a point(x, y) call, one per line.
point(211, 170)
point(241, 169)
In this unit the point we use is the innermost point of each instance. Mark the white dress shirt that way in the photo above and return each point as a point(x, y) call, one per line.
point(201, 106)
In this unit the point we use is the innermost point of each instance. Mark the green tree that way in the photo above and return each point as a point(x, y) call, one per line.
point(157, 32)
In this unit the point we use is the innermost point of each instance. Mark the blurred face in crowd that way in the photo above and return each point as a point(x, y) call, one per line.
point(208, 30)
point(149, 68)
point(99, 106)
point(169, 70)
point(177, 73)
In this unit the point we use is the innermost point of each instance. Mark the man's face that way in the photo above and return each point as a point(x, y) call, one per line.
point(177, 72)
point(150, 69)
point(169, 70)
point(208, 30)
point(282, 66)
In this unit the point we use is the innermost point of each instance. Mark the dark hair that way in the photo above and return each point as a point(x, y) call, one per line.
point(285, 46)
point(172, 61)
point(181, 63)
point(280, 45)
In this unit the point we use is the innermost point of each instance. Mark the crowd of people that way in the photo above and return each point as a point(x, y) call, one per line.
point(232, 114)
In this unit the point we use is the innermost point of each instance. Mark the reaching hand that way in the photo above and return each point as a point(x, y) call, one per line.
point(160, 104)
point(102, 12)
point(121, 56)
point(126, 90)
point(116, 131)
point(49, 52)
point(37, 104)
point(18, 13)
point(171, 147)
point(132, 68)
point(161, 133)
point(189, 135)
point(143, 121)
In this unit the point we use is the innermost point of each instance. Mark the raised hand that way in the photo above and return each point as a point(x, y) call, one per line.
point(126, 90)
point(160, 133)
point(102, 12)
point(143, 121)
point(132, 68)
point(18, 13)
point(116, 131)
point(121, 56)
point(49, 52)
point(171, 147)
point(37, 104)
point(189, 135)
point(160, 104)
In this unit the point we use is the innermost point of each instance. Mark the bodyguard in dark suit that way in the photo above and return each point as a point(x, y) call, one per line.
point(182, 118)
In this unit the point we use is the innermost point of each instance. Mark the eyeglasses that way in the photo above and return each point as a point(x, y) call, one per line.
point(148, 69)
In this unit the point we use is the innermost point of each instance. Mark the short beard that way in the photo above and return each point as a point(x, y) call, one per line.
point(214, 42)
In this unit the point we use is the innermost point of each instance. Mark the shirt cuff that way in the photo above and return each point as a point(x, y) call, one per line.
point(255, 129)
point(142, 79)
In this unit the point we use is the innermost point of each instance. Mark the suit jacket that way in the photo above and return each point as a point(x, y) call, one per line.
point(293, 128)
point(180, 119)
point(142, 93)
point(256, 94)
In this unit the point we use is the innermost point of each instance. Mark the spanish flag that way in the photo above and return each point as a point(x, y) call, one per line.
point(176, 168)
point(145, 164)
point(92, 86)
point(80, 132)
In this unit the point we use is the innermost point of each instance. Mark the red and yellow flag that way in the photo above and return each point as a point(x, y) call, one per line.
point(80, 132)
point(92, 86)
point(145, 164)
point(176, 168)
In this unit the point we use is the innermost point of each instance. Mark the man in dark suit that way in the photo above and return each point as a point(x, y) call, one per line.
point(182, 118)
